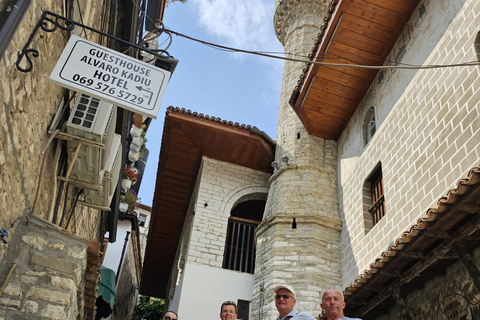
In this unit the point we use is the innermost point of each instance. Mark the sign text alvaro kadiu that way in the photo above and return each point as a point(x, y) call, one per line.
point(111, 76)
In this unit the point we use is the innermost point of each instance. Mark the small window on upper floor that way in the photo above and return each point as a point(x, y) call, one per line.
point(142, 219)
point(373, 198)
point(477, 46)
point(369, 125)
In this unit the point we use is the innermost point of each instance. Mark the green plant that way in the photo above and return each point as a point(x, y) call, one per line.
point(131, 198)
point(142, 149)
point(148, 308)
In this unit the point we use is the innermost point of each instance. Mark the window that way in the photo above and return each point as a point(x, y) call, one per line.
point(373, 198)
point(369, 125)
point(477, 46)
point(240, 243)
point(243, 309)
point(142, 219)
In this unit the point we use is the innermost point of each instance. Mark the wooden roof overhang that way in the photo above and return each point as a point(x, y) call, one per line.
point(186, 138)
point(355, 32)
point(446, 235)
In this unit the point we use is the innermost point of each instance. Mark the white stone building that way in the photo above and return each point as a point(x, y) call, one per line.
point(361, 155)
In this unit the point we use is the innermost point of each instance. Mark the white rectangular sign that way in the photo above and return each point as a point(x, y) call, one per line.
point(111, 76)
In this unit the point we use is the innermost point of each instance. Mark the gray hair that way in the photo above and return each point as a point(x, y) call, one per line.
point(341, 292)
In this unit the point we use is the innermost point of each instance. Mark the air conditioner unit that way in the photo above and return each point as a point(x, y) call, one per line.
point(92, 119)
point(111, 175)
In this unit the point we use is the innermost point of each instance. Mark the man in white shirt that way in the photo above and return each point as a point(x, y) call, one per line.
point(285, 302)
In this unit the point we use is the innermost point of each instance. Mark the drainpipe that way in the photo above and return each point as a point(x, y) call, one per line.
point(122, 256)
point(260, 301)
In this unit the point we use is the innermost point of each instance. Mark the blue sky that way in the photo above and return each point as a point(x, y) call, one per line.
point(233, 86)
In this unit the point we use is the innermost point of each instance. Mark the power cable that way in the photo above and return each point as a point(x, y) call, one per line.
point(161, 29)
point(330, 64)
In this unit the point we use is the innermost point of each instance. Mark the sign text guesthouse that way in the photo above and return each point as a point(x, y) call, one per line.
point(111, 76)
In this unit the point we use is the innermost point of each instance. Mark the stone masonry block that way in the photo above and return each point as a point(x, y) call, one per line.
point(57, 246)
point(54, 263)
point(63, 283)
point(13, 289)
point(53, 296)
point(31, 306)
point(77, 252)
point(12, 304)
point(54, 312)
point(37, 242)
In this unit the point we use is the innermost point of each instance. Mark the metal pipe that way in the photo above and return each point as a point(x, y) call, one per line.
point(122, 256)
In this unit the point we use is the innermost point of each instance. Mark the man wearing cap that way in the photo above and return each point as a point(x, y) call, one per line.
point(333, 304)
point(285, 301)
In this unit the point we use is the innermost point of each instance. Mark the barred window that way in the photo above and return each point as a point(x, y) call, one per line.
point(373, 198)
point(240, 242)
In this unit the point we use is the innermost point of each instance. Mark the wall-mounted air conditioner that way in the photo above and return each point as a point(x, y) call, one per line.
point(111, 175)
point(92, 119)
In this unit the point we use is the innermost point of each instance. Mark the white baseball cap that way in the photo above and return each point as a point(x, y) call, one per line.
point(286, 287)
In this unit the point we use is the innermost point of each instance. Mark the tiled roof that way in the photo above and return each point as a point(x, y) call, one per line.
point(207, 117)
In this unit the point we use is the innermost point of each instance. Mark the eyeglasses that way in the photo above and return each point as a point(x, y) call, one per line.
point(169, 318)
point(284, 296)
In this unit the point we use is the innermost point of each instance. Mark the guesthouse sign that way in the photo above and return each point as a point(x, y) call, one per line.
point(111, 76)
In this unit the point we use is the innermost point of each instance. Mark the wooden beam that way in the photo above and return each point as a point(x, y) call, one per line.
point(436, 234)
point(441, 250)
point(468, 208)
point(413, 255)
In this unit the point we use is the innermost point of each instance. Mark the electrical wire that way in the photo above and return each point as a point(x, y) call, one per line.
point(161, 28)
point(81, 19)
point(329, 64)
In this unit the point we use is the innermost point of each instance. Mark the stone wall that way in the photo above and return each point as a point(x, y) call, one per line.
point(49, 280)
point(29, 103)
point(429, 133)
point(222, 185)
point(49, 275)
point(302, 188)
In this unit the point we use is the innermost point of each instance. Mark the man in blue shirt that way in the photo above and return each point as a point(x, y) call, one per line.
point(333, 304)
point(285, 301)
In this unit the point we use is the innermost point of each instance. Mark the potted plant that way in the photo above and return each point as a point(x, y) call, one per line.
point(142, 149)
point(129, 177)
point(133, 155)
point(129, 201)
point(136, 131)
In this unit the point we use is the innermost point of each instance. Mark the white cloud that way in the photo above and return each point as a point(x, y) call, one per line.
point(243, 24)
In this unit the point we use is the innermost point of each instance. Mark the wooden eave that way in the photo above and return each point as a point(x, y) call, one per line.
point(360, 32)
point(421, 253)
point(186, 138)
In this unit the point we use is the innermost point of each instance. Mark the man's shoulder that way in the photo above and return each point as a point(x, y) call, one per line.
point(347, 318)
point(303, 316)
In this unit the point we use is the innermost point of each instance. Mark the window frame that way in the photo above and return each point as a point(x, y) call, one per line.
point(234, 251)
point(374, 208)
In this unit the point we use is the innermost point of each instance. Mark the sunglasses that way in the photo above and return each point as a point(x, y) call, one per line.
point(284, 296)
point(168, 318)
